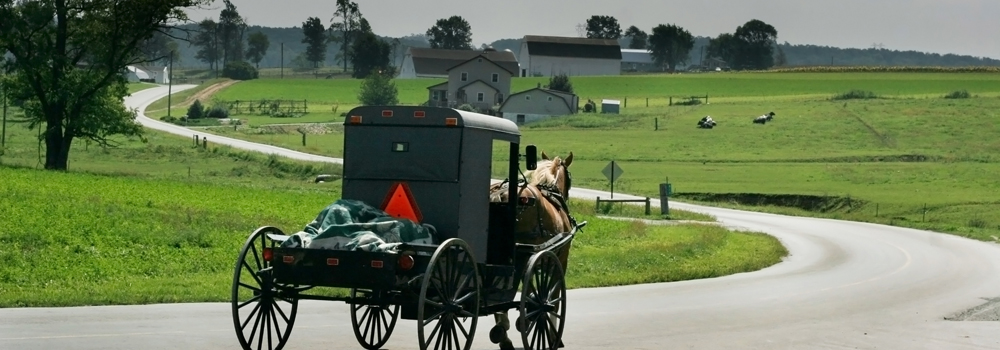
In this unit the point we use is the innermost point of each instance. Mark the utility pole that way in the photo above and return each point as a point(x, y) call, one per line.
point(170, 82)
point(282, 61)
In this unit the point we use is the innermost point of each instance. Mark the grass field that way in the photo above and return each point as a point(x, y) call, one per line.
point(162, 221)
point(910, 157)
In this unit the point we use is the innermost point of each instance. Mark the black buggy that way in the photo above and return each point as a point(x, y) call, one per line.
point(440, 160)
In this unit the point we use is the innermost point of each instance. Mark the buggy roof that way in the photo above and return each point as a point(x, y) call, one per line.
point(500, 128)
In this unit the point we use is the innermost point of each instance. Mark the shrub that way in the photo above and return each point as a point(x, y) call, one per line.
point(856, 95)
point(196, 110)
point(467, 107)
point(218, 111)
point(958, 94)
point(378, 90)
point(240, 70)
point(561, 83)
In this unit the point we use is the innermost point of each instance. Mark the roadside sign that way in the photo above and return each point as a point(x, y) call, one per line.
point(612, 172)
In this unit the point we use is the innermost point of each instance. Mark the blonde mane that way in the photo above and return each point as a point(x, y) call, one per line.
point(543, 175)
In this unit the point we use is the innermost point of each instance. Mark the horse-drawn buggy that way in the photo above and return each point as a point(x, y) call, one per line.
point(422, 233)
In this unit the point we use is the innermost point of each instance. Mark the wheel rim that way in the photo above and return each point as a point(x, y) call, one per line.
point(373, 324)
point(543, 303)
point(263, 318)
point(448, 308)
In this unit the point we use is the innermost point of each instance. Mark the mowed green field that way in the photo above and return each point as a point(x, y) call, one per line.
point(894, 156)
point(162, 221)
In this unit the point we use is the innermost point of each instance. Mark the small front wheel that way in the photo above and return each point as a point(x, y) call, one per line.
point(543, 303)
point(373, 323)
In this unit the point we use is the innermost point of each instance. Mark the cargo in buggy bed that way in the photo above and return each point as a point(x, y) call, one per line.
point(354, 225)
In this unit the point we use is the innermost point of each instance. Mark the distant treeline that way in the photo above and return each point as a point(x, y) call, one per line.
point(796, 55)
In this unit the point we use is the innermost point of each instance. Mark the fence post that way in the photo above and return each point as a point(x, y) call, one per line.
point(647, 206)
point(204, 142)
point(923, 218)
point(647, 101)
point(195, 140)
point(303, 139)
point(656, 124)
point(876, 209)
point(706, 99)
point(626, 103)
point(597, 205)
point(671, 101)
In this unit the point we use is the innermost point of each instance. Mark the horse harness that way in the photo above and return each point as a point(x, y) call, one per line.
point(553, 195)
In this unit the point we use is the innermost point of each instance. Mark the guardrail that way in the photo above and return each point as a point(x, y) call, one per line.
point(597, 207)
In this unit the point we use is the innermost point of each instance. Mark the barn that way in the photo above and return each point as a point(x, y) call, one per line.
point(538, 103)
point(638, 60)
point(149, 74)
point(553, 55)
point(434, 63)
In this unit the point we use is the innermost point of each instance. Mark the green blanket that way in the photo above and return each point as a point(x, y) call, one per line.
point(354, 225)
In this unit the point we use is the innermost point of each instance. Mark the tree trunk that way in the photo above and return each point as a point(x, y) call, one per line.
point(57, 147)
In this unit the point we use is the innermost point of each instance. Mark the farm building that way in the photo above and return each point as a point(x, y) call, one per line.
point(538, 103)
point(638, 60)
point(478, 81)
point(551, 55)
point(434, 63)
point(149, 74)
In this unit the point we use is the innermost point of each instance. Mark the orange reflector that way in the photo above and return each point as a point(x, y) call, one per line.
point(451, 121)
point(386, 113)
point(355, 119)
point(267, 254)
point(419, 114)
point(377, 264)
point(400, 203)
point(405, 262)
point(332, 261)
point(288, 259)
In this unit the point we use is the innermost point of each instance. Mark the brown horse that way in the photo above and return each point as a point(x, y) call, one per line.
point(548, 214)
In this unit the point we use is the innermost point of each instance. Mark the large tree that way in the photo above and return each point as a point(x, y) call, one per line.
point(451, 33)
point(207, 40)
point(344, 26)
point(257, 44)
point(371, 54)
point(603, 27)
point(232, 27)
point(315, 40)
point(378, 90)
point(159, 48)
point(756, 45)
point(724, 47)
point(68, 59)
point(669, 45)
point(638, 39)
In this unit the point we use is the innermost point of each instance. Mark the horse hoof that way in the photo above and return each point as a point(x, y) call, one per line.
point(507, 345)
point(498, 335)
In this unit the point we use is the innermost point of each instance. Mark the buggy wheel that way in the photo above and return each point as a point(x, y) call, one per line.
point(263, 311)
point(373, 324)
point(448, 308)
point(543, 303)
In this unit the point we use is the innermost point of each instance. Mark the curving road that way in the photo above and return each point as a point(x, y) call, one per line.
point(845, 285)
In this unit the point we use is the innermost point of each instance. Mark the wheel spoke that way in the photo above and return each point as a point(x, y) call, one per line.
point(432, 318)
point(366, 319)
point(277, 328)
point(252, 313)
point(252, 272)
point(256, 323)
point(461, 285)
point(437, 344)
point(247, 286)
point(454, 334)
point(462, 328)
point(245, 303)
point(268, 320)
point(256, 256)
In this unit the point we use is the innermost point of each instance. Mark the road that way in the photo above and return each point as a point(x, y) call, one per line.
point(845, 285)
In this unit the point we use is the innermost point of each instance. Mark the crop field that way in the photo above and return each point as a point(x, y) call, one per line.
point(908, 157)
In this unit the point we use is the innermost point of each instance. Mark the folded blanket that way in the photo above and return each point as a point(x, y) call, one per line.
point(354, 225)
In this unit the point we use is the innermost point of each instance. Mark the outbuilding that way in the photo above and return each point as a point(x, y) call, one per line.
point(545, 56)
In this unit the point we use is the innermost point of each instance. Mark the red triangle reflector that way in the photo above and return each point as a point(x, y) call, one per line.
point(400, 203)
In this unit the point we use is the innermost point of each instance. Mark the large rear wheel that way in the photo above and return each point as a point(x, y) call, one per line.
point(263, 318)
point(448, 308)
point(543, 303)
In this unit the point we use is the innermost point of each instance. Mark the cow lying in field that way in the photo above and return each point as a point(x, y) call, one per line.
point(764, 118)
point(706, 123)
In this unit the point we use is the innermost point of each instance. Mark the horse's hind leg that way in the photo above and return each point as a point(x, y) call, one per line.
point(498, 335)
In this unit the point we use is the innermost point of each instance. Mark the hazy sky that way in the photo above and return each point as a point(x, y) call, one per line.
point(967, 27)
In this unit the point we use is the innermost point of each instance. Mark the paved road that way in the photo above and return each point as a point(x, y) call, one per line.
point(845, 285)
